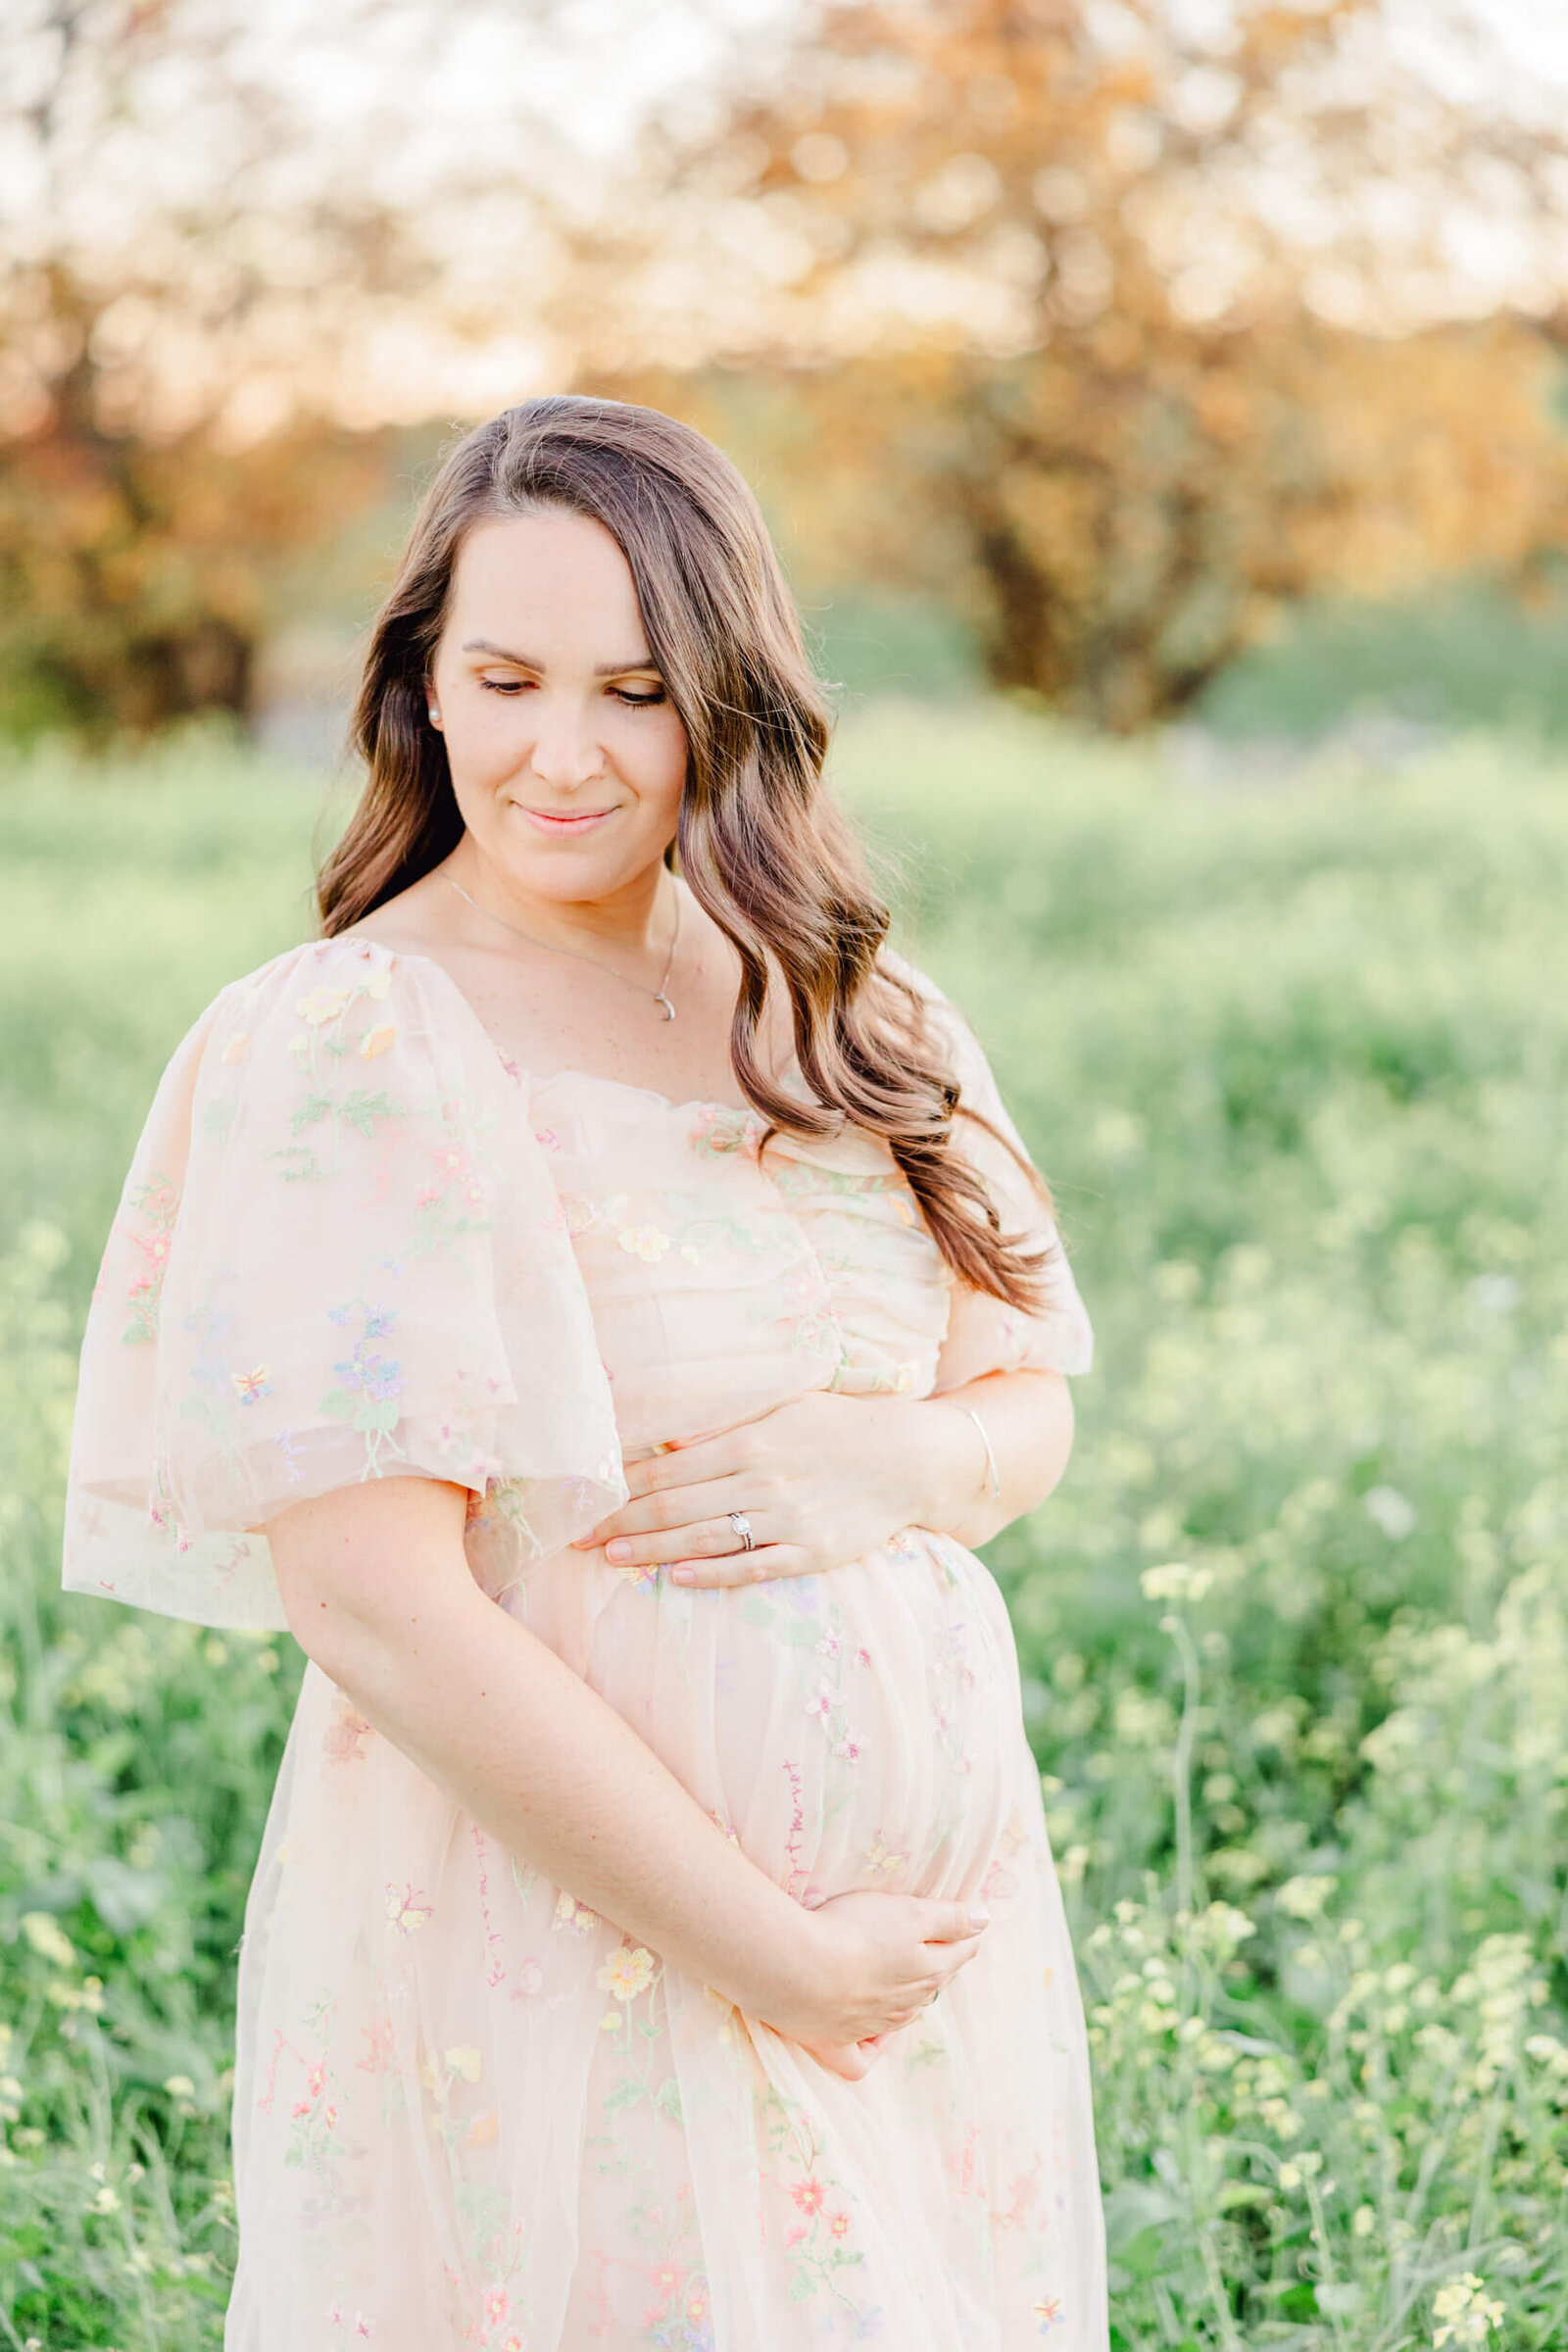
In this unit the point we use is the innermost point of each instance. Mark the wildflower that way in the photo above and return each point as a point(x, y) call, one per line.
point(1390, 1510)
point(1465, 2314)
point(465, 2061)
point(254, 1384)
point(1175, 1581)
point(1304, 1897)
point(809, 2195)
point(48, 1939)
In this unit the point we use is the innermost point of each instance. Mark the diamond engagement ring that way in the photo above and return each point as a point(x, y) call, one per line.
point(743, 1528)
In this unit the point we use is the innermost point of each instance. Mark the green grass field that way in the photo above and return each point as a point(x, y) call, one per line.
point(1295, 1631)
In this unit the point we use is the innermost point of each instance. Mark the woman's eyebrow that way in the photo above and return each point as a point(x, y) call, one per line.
point(603, 669)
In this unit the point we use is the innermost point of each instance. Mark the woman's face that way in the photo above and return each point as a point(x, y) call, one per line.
point(567, 759)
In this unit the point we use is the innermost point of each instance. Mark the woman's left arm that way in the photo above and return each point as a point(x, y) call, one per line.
point(827, 1477)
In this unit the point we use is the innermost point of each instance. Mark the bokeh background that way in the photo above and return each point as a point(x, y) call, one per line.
point(1162, 407)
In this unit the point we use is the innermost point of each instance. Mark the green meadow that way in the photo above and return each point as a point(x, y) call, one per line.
point(1293, 1052)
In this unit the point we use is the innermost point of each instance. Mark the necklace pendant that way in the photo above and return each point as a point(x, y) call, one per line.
point(660, 997)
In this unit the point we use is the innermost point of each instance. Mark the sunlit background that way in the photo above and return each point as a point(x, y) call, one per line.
point(1162, 408)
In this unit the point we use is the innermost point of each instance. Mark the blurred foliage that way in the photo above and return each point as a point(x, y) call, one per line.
point(136, 573)
point(1293, 1631)
point(1458, 657)
point(1053, 352)
point(1081, 340)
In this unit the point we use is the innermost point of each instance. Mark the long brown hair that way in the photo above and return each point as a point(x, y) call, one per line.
point(763, 844)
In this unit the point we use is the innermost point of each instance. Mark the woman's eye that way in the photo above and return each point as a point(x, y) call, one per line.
point(639, 701)
point(502, 685)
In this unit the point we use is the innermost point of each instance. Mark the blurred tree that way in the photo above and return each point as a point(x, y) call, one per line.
point(220, 259)
point(1123, 336)
point(137, 507)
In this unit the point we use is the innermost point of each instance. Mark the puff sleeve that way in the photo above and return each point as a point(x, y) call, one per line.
point(984, 1333)
point(339, 1255)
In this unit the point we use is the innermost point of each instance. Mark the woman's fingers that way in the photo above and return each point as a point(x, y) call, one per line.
point(952, 1922)
point(753, 1567)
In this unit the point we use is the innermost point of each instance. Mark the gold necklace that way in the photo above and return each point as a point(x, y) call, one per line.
point(555, 947)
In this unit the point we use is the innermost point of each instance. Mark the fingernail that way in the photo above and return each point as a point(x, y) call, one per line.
point(683, 1576)
point(979, 1915)
point(618, 1548)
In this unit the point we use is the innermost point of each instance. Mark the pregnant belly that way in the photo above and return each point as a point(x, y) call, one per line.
point(860, 1729)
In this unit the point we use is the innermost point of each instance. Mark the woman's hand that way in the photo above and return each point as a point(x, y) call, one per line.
point(826, 1478)
point(820, 1481)
point(876, 1962)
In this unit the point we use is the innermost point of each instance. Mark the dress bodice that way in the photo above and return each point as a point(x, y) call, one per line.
point(359, 1240)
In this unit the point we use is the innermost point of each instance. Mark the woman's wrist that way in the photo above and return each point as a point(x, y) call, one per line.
point(951, 1468)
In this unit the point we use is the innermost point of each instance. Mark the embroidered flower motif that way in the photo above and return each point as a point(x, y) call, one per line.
point(573, 1916)
point(238, 1046)
point(483, 2130)
point(820, 1709)
point(852, 1747)
point(693, 1257)
point(321, 1005)
point(643, 1240)
point(408, 1911)
point(343, 1740)
point(839, 2223)
point(378, 1040)
point(628, 1973)
point(254, 1384)
point(809, 2195)
point(465, 2061)
point(1048, 2312)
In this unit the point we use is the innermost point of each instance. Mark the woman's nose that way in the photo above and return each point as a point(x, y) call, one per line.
point(567, 750)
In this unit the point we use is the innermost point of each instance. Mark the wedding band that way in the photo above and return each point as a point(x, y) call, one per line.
point(743, 1528)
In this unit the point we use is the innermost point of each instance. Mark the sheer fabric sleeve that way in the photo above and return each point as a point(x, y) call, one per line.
point(984, 1333)
point(339, 1256)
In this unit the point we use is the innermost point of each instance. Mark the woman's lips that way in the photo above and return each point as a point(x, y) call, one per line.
point(582, 821)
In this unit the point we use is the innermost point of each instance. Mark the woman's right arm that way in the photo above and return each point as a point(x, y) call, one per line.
point(379, 1592)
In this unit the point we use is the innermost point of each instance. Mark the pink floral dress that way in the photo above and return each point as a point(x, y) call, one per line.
point(357, 1242)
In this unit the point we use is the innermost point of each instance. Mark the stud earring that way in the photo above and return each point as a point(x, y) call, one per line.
point(435, 717)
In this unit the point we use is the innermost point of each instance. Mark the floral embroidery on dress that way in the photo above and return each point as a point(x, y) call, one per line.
point(718, 1128)
point(369, 1383)
point(646, 1241)
point(381, 1262)
point(157, 1202)
point(816, 2237)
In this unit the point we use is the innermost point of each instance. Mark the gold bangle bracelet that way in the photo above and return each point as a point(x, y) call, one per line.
point(991, 1460)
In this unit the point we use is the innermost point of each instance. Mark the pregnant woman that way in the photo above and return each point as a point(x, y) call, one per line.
point(594, 1296)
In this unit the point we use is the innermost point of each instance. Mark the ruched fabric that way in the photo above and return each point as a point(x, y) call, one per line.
point(359, 1241)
